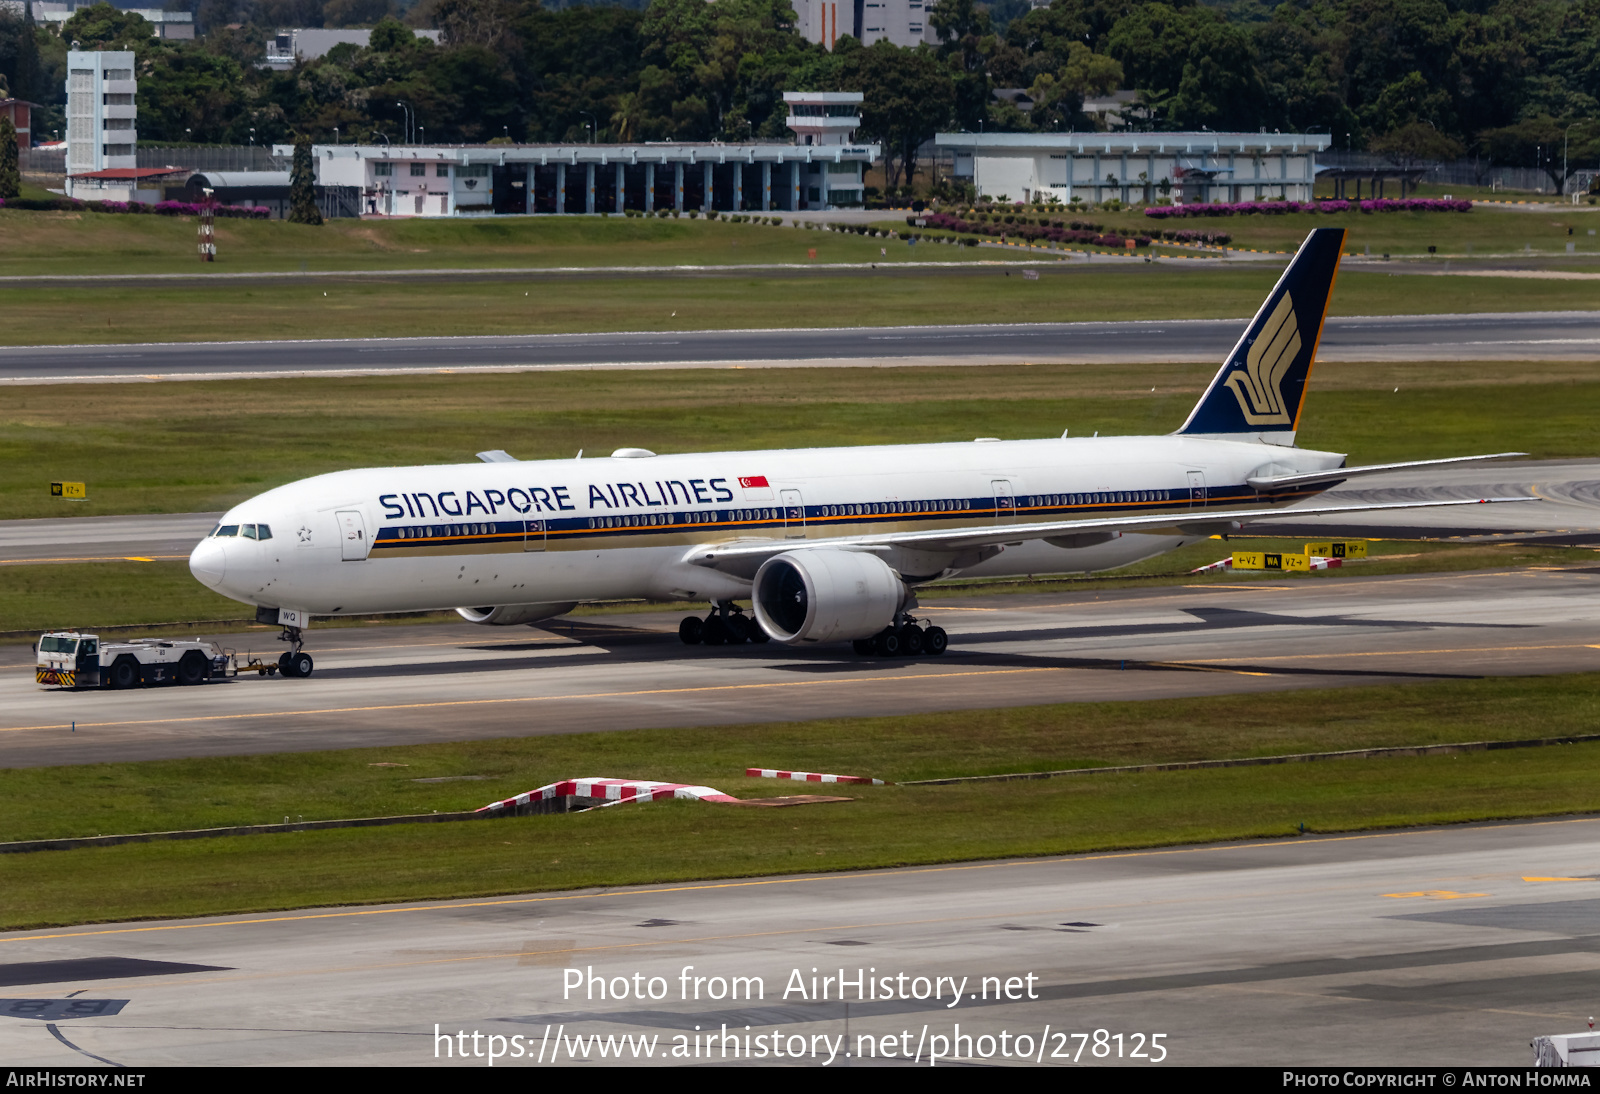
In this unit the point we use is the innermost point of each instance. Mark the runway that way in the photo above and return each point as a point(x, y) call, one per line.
point(1422, 947)
point(1507, 336)
point(378, 686)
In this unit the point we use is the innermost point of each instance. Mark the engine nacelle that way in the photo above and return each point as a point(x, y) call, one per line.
point(509, 615)
point(826, 595)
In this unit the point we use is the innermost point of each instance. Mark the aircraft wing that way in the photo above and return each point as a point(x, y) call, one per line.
point(1267, 483)
point(744, 555)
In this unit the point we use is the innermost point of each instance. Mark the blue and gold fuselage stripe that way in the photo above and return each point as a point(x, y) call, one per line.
point(474, 537)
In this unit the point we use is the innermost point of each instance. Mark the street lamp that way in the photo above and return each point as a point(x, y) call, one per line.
point(409, 117)
point(594, 124)
point(336, 134)
point(252, 136)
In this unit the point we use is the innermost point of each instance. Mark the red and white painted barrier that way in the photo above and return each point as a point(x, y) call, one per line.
point(1221, 564)
point(614, 791)
point(810, 776)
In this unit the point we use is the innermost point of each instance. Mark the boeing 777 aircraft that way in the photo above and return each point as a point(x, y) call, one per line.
point(829, 544)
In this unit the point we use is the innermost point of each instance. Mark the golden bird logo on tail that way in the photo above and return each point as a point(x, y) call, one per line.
point(1258, 385)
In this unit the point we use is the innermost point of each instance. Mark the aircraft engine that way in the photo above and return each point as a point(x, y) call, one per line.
point(826, 596)
point(509, 615)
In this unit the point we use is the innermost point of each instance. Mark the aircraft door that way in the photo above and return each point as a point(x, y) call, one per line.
point(1197, 489)
point(794, 514)
point(353, 542)
point(1005, 502)
point(533, 539)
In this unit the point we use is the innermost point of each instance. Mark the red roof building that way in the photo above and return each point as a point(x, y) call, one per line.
point(20, 111)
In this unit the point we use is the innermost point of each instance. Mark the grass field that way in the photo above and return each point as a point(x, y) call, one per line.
point(94, 243)
point(883, 826)
point(1485, 231)
point(103, 243)
point(196, 447)
point(359, 308)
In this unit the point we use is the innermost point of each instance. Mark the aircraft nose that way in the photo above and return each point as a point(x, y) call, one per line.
point(207, 562)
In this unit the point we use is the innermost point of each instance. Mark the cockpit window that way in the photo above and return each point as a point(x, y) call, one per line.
point(248, 531)
point(215, 530)
point(227, 529)
point(263, 531)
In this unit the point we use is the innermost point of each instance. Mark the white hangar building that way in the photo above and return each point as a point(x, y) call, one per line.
point(1138, 167)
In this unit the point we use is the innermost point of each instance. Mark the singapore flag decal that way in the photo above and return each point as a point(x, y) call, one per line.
point(754, 481)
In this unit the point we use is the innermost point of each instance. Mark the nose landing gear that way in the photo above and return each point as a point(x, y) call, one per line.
point(294, 664)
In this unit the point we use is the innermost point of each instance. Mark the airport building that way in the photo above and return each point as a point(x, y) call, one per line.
point(295, 44)
point(1137, 167)
point(823, 170)
point(101, 116)
point(174, 25)
point(903, 22)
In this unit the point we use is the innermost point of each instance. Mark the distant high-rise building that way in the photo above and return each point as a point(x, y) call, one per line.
point(903, 22)
point(101, 128)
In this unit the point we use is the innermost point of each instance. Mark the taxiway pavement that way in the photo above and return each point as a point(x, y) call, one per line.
point(1502, 336)
point(1419, 947)
point(383, 685)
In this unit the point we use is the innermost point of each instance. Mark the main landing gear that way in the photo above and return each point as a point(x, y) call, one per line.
point(904, 639)
point(294, 664)
point(727, 625)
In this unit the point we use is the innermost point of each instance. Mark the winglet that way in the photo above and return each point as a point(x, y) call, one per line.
point(1261, 388)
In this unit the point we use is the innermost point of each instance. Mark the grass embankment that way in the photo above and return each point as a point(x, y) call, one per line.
point(105, 243)
point(884, 826)
point(380, 308)
point(1483, 232)
point(196, 447)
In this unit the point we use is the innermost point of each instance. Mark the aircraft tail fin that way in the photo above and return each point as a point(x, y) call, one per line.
point(1261, 387)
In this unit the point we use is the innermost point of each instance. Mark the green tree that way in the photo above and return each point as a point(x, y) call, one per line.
point(10, 176)
point(1417, 142)
point(19, 54)
point(1192, 67)
point(105, 27)
point(302, 184)
point(964, 31)
point(1559, 147)
point(908, 96)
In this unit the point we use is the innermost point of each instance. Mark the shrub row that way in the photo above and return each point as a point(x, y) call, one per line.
point(160, 208)
point(1054, 231)
point(1189, 235)
point(1278, 208)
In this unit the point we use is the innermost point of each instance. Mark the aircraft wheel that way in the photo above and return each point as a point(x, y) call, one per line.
point(286, 663)
point(935, 641)
point(911, 640)
point(690, 630)
point(300, 666)
point(863, 646)
point(714, 632)
point(756, 634)
point(887, 644)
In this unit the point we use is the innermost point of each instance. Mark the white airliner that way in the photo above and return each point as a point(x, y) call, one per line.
point(828, 544)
